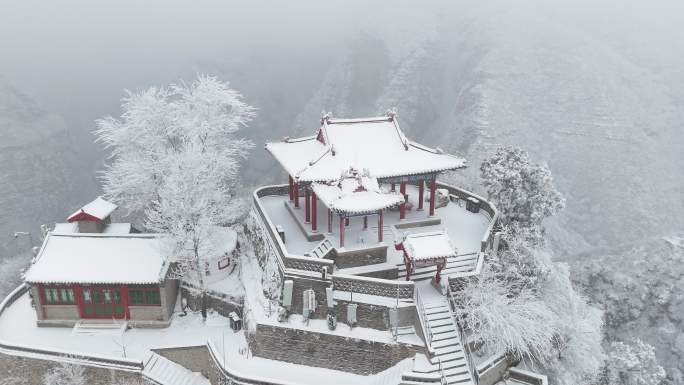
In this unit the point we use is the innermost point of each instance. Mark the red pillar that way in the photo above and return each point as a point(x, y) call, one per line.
point(438, 276)
point(365, 222)
point(342, 231)
point(290, 189)
point(421, 188)
point(124, 301)
point(393, 189)
point(330, 218)
point(402, 207)
point(346, 221)
point(307, 205)
point(296, 194)
point(78, 295)
point(380, 227)
point(433, 187)
point(314, 212)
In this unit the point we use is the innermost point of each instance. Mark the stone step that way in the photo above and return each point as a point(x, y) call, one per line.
point(163, 371)
point(437, 310)
point(440, 322)
point(438, 316)
point(442, 329)
point(447, 349)
point(445, 336)
point(445, 343)
point(454, 358)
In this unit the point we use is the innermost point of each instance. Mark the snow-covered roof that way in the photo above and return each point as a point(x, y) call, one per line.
point(100, 259)
point(355, 194)
point(377, 144)
point(110, 228)
point(429, 246)
point(99, 209)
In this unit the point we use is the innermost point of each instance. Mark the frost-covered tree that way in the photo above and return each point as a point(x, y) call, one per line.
point(520, 325)
point(524, 304)
point(632, 364)
point(65, 374)
point(175, 160)
point(522, 191)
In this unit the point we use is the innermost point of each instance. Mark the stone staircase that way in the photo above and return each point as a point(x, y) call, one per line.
point(163, 371)
point(459, 264)
point(447, 362)
point(321, 249)
point(100, 327)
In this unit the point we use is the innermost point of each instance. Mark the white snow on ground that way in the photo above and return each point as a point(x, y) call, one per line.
point(464, 228)
point(18, 326)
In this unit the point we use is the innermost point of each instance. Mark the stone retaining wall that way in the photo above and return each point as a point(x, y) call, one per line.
point(362, 257)
point(328, 351)
point(222, 305)
point(193, 358)
point(30, 371)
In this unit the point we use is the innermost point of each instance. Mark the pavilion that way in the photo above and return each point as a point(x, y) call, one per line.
point(426, 249)
point(364, 154)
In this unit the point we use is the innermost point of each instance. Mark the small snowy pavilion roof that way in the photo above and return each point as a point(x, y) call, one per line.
point(99, 259)
point(355, 194)
point(429, 246)
point(97, 210)
point(377, 144)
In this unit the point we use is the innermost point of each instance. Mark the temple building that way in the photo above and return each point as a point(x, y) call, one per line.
point(372, 151)
point(92, 269)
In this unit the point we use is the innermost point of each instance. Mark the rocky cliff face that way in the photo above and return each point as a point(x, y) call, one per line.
point(38, 166)
point(641, 290)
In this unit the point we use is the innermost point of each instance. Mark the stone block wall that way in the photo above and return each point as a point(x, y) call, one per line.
point(364, 257)
point(222, 305)
point(327, 350)
point(193, 358)
point(367, 316)
point(319, 286)
point(31, 371)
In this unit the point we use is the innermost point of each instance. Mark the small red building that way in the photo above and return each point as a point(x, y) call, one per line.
point(101, 274)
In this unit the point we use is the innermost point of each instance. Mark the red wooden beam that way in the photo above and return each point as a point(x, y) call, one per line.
point(307, 204)
point(125, 300)
point(421, 188)
point(433, 187)
point(380, 231)
point(330, 218)
point(402, 207)
point(290, 189)
point(296, 195)
point(78, 295)
point(314, 211)
point(342, 220)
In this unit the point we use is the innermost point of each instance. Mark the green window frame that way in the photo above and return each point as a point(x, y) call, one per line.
point(59, 295)
point(144, 296)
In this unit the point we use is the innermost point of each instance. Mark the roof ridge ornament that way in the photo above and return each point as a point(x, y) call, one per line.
point(326, 116)
point(391, 113)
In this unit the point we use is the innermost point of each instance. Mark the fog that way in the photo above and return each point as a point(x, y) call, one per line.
point(593, 89)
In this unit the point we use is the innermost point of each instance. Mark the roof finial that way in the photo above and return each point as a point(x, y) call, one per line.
point(325, 116)
point(391, 113)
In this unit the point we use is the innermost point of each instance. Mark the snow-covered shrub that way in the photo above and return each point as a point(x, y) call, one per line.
point(522, 191)
point(65, 374)
point(632, 364)
point(519, 324)
point(524, 304)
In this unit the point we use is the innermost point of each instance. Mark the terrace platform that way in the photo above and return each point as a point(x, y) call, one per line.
point(465, 229)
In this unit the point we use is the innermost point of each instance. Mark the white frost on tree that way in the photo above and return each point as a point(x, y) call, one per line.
point(632, 364)
point(522, 191)
point(65, 374)
point(175, 160)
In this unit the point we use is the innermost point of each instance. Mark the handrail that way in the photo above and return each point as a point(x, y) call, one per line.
point(443, 379)
point(423, 320)
point(487, 207)
point(464, 343)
